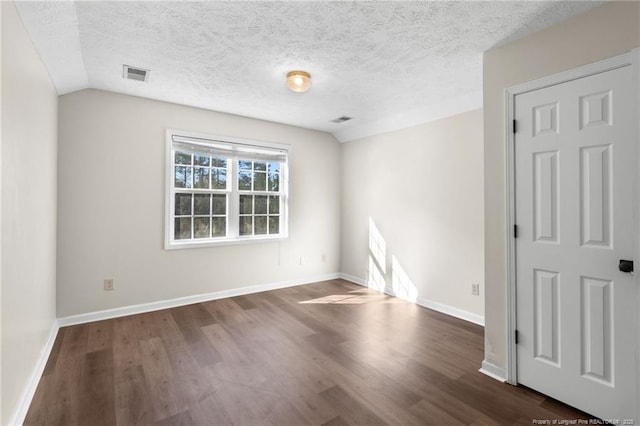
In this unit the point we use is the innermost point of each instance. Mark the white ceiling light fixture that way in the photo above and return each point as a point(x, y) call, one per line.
point(299, 81)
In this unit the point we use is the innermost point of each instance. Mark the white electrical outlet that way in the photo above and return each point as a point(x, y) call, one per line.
point(302, 260)
point(475, 289)
point(323, 258)
point(108, 284)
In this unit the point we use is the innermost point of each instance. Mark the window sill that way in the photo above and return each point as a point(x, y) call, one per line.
point(223, 242)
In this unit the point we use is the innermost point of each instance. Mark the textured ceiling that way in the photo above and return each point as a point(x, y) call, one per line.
point(387, 64)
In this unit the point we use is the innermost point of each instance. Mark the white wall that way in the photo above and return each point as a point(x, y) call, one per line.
point(28, 176)
point(111, 206)
point(600, 33)
point(422, 188)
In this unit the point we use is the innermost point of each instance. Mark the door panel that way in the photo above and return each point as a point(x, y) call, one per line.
point(575, 194)
point(597, 329)
point(545, 316)
point(595, 195)
point(545, 187)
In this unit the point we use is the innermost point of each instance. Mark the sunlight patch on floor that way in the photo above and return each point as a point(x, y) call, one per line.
point(354, 297)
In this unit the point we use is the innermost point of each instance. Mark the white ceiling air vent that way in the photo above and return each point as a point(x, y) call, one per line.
point(133, 73)
point(341, 119)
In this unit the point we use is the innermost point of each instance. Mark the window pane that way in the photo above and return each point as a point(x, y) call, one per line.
point(201, 204)
point(260, 206)
point(183, 158)
point(183, 204)
point(210, 186)
point(219, 162)
point(182, 228)
point(246, 225)
point(219, 204)
point(201, 160)
point(246, 204)
point(244, 181)
point(274, 167)
point(259, 181)
point(219, 226)
point(274, 182)
point(274, 224)
point(201, 178)
point(261, 225)
point(219, 179)
point(201, 227)
point(183, 177)
point(274, 204)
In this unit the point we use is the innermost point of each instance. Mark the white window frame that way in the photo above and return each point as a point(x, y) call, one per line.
point(235, 149)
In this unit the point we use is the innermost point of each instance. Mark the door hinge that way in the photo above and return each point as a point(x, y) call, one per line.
point(515, 231)
point(516, 337)
point(514, 126)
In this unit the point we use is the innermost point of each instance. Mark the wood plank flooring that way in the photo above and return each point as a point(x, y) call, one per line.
point(330, 353)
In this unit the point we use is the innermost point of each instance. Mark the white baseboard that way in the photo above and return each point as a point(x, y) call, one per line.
point(20, 413)
point(353, 279)
point(187, 300)
point(449, 310)
point(445, 309)
point(493, 371)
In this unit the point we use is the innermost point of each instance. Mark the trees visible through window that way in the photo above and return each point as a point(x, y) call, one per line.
point(224, 191)
point(259, 212)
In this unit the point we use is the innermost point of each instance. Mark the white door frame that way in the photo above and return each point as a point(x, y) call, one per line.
point(629, 59)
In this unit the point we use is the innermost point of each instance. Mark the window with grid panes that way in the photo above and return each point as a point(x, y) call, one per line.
point(221, 190)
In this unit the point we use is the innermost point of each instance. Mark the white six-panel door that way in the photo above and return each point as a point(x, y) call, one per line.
point(575, 192)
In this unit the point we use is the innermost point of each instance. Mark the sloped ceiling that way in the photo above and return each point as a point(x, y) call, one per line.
point(386, 64)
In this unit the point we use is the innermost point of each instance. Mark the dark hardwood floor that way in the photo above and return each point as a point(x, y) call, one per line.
point(329, 353)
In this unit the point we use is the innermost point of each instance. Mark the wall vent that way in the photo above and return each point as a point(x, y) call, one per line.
point(341, 119)
point(133, 73)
